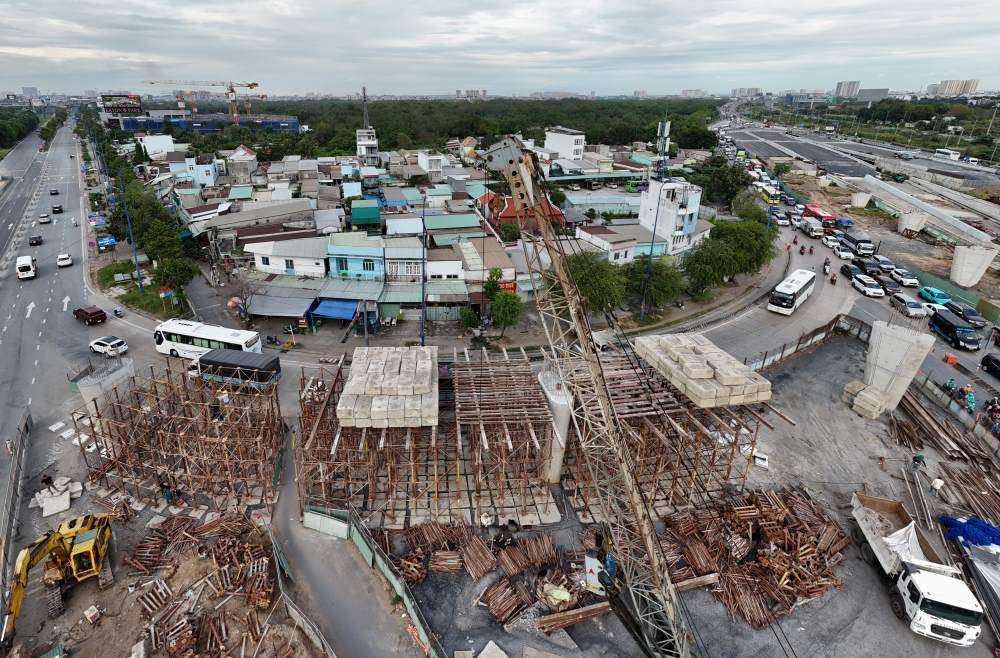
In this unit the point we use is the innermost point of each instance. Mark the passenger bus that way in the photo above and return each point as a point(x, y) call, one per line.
point(192, 339)
point(828, 221)
point(770, 195)
point(792, 292)
point(947, 154)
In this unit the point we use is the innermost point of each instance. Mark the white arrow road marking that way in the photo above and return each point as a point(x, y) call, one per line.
point(65, 302)
point(31, 307)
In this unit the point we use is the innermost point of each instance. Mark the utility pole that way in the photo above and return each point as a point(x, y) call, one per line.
point(364, 107)
point(131, 237)
point(990, 127)
point(663, 174)
point(423, 272)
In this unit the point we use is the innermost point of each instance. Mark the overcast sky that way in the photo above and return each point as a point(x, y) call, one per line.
point(504, 46)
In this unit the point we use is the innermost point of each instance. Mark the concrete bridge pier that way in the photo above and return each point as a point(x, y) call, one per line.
point(968, 264)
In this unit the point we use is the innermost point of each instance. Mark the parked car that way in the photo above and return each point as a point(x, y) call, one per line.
point(867, 286)
point(991, 364)
point(830, 241)
point(934, 295)
point(34, 240)
point(64, 260)
point(53, 192)
point(800, 207)
point(843, 252)
point(850, 271)
point(109, 346)
point(888, 285)
point(967, 313)
point(905, 278)
point(907, 305)
point(796, 221)
point(886, 264)
point(90, 315)
point(44, 218)
point(868, 266)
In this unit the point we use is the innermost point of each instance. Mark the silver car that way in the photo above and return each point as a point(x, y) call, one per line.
point(908, 306)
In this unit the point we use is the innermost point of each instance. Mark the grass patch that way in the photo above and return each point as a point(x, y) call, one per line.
point(106, 275)
point(874, 213)
point(3, 153)
point(149, 301)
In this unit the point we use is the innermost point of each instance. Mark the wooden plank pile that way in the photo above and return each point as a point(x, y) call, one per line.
point(558, 620)
point(505, 599)
point(479, 560)
point(973, 490)
point(798, 546)
point(923, 428)
point(446, 561)
point(539, 549)
point(513, 560)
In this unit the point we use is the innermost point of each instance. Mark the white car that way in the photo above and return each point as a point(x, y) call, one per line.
point(905, 278)
point(64, 260)
point(44, 218)
point(796, 221)
point(830, 241)
point(109, 346)
point(908, 306)
point(781, 220)
point(843, 253)
point(883, 262)
point(931, 307)
point(800, 207)
point(867, 286)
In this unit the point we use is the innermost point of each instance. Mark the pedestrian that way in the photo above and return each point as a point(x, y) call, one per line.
point(919, 460)
point(167, 492)
point(936, 485)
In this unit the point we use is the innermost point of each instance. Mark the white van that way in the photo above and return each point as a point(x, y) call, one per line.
point(26, 267)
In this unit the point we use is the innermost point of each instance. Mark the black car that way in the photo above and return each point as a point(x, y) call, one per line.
point(869, 266)
point(56, 209)
point(34, 240)
point(54, 192)
point(991, 364)
point(967, 313)
point(888, 285)
point(850, 271)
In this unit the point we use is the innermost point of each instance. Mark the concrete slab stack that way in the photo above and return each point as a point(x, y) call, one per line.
point(708, 376)
point(391, 387)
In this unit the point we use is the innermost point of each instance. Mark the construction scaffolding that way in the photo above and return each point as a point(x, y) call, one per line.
point(685, 456)
point(486, 455)
point(218, 442)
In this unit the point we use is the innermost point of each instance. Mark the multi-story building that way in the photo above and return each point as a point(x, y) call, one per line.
point(693, 93)
point(848, 89)
point(948, 88)
point(367, 146)
point(670, 211)
point(433, 164)
point(872, 95)
point(745, 92)
point(568, 143)
point(356, 256)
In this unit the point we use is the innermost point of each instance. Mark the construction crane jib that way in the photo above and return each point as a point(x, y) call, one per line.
point(647, 594)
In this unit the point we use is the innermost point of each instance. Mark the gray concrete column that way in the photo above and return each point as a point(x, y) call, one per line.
point(561, 405)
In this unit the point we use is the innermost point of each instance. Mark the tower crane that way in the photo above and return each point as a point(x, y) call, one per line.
point(647, 596)
point(249, 98)
point(231, 98)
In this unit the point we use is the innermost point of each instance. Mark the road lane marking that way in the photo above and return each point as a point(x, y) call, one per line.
point(32, 382)
point(31, 307)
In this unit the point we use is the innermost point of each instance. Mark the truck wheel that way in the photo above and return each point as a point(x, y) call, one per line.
point(173, 353)
point(867, 554)
point(896, 603)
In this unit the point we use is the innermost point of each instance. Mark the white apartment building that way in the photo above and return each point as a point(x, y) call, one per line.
point(433, 164)
point(848, 88)
point(670, 211)
point(568, 143)
point(302, 257)
point(367, 144)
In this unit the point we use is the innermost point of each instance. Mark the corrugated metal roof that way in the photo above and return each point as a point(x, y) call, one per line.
point(406, 225)
point(351, 289)
point(240, 192)
point(446, 239)
point(441, 291)
point(400, 293)
point(352, 189)
point(470, 220)
point(301, 248)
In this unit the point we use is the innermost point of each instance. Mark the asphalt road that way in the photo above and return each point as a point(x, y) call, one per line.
point(768, 142)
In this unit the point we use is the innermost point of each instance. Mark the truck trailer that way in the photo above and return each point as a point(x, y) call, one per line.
point(237, 367)
point(923, 591)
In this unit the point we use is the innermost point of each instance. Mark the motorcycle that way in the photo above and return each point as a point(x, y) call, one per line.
point(795, 240)
point(118, 312)
point(802, 250)
point(826, 268)
point(810, 251)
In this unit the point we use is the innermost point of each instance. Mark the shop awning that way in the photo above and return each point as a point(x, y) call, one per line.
point(279, 307)
point(337, 309)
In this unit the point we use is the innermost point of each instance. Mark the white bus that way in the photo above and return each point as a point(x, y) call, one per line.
point(792, 292)
point(192, 339)
point(26, 267)
point(947, 154)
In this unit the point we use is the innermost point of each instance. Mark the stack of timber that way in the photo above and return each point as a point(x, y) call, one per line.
point(505, 599)
point(446, 561)
point(923, 429)
point(478, 559)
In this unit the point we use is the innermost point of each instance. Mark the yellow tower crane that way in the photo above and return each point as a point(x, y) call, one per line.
point(231, 87)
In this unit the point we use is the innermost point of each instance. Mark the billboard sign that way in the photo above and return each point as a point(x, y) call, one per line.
point(122, 103)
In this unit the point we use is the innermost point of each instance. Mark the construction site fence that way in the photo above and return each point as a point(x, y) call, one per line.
point(933, 389)
point(17, 448)
point(294, 612)
point(842, 325)
point(347, 524)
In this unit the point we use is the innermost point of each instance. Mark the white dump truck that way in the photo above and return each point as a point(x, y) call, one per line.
point(928, 594)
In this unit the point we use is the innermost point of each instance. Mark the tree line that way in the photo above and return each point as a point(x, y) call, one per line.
point(154, 228)
point(52, 126)
point(429, 124)
point(15, 124)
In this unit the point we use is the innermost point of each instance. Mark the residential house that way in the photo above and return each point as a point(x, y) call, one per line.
point(479, 258)
point(156, 145)
point(330, 220)
point(620, 249)
point(241, 164)
point(508, 214)
point(356, 256)
point(404, 260)
point(395, 200)
point(620, 204)
point(433, 164)
point(568, 143)
point(402, 226)
point(306, 257)
point(365, 216)
point(202, 170)
point(437, 196)
point(670, 210)
point(445, 263)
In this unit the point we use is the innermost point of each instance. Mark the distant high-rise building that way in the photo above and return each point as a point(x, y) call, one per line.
point(746, 92)
point(693, 93)
point(949, 88)
point(30, 92)
point(848, 89)
point(639, 93)
point(872, 95)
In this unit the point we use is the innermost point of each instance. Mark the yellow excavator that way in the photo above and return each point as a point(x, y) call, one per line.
point(77, 550)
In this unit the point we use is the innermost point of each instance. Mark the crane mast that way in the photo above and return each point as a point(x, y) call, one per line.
point(647, 592)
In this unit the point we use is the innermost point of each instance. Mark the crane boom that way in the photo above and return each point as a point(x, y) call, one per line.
point(648, 592)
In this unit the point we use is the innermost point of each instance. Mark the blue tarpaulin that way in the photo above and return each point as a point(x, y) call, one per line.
point(338, 309)
point(106, 242)
point(973, 531)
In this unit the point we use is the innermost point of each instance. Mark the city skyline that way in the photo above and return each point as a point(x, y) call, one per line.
point(295, 48)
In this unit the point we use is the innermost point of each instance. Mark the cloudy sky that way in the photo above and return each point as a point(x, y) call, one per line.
point(504, 46)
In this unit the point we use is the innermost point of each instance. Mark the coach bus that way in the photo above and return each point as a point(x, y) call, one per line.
point(192, 339)
point(792, 292)
point(770, 195)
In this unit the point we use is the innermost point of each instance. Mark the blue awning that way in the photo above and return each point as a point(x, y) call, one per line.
point(338, 309)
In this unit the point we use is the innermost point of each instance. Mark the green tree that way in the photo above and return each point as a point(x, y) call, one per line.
point(665, 281)
point(506, 311)
point(509, 232)
point(491, 287)
point(601, 283)
point(468, 317)
point(752, 244)
point(781, 169)
point(556, 195)
point(746, 207)
point(719, 181)
point(174, 273)
point(708, 265)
